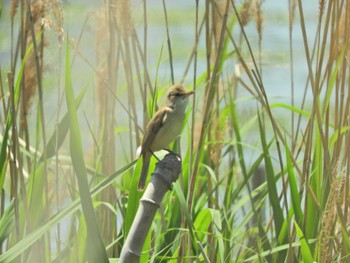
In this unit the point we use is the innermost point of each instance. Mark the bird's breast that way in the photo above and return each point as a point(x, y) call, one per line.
point(170, 130)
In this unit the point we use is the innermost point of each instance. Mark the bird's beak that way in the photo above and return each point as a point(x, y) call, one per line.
point(189, 93)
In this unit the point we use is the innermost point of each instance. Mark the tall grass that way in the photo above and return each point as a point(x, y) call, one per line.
point(69, 185)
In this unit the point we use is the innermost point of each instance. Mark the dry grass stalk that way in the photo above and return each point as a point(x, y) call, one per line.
point(219, 131)
point(344, 26)
point(292, 6)
point(259, 19)
point(328, 225)
point(13, 8)
point(48, 15)
point(123, 17)
point(102, 37)
point(251, 9)
point(54, 19)
point(246, 12)
point(106, 49)
point(30, 73)
point(217, 18)
point(321, 6)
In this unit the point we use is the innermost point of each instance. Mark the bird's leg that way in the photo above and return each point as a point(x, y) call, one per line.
point(172, 152)
point(154, 155)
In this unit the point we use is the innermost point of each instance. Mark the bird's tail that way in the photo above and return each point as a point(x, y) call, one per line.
point(146, 157)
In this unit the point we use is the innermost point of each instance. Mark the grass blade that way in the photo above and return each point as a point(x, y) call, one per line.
point(60, 134)
point(305, 250)
point(96, 251)
point(3, 151)
point(16, 250)
point(186, 211)
point(294, 189)
point(271, 183)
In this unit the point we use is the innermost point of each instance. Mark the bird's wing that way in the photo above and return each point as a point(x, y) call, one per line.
point(153, 127)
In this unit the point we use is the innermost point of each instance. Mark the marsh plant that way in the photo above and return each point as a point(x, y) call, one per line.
point(263, 179)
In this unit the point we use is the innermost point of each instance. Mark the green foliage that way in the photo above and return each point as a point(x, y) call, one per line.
point(305, 250)
point(95, 249)
point(271, 183)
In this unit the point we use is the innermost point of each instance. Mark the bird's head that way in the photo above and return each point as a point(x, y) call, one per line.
point(178, 97)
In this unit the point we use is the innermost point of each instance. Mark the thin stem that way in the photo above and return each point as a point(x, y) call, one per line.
point(194, 88)
point(41, 103)
point(169, 44)
point(291, 55)
point(208, 106)
point(144, 60)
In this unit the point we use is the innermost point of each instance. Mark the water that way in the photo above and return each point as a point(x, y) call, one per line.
point(275, 46)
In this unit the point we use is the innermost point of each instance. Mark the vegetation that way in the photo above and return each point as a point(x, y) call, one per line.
point(68, 177)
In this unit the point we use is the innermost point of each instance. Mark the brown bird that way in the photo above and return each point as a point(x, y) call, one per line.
point(164, 127)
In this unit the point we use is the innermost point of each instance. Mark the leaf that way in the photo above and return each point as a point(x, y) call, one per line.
point(133, 198)
point(274, 250)
point(3, 151)
point(202, 223)
point(316, 193)
point(36, 196)
point(289, 107)
point(334, 75)
point(96, 251)
point(345, 241)
point(186, 211)
point(294, 189)
point(263, 237)
point(271, 183)
point(7, 222)
point(60, 133)
point(305, 250)
point(7, 219)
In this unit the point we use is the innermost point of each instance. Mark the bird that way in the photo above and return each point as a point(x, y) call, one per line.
point(164, 127)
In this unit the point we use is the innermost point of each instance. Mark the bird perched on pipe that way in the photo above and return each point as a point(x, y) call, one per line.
point(164, 127)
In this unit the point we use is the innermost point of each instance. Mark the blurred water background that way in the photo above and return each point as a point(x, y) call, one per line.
point(81, 27)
